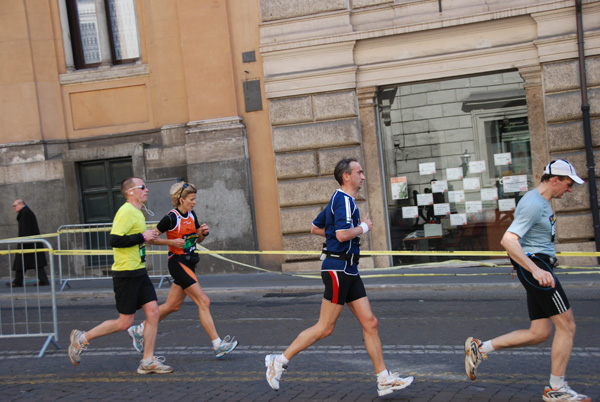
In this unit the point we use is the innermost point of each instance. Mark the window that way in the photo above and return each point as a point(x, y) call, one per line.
point(103, 32)
point(457, 159)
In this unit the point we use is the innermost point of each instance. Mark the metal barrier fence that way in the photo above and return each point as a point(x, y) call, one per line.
point(25, 311)
point(90, 254)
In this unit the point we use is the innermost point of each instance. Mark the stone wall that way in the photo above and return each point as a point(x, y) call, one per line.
point(565, 140)
point(211, 154)
point(310, 135)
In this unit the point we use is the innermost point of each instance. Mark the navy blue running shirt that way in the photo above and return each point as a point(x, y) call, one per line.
point(340, 214)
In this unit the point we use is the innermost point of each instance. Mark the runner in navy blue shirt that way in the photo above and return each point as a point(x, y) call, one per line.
point(342, 227)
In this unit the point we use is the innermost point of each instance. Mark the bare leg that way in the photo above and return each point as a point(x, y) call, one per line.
point(563, 341)
point(110, 326)
point(150, 328)
point(323, 328)
point(196, 293)
point(361, 308)
point(538, 332)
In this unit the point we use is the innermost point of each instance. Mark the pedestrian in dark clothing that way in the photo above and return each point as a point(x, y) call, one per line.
point(28, 226)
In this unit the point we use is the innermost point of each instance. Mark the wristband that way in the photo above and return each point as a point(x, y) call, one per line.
point(364, 227)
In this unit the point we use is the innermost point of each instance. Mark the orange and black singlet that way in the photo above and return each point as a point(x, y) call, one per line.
point(179, 226)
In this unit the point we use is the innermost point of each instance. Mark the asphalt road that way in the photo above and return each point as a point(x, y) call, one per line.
point(423, 323)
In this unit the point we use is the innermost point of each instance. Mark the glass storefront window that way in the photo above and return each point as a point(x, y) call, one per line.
point(457, 159)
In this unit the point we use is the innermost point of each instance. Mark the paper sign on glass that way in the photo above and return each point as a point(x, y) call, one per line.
point(458, 219)
point(439, 186)
point(454, 173)
point(473, 207)
point(399, 188)
point(427, 168)
point(410, 212)
point(502, 159)
point(514, 184)
point(456, 196)
point(425, 199)
point(489, 194)
point(471, 183)
point(507, 204)
point(441, 209)
point(477, 167)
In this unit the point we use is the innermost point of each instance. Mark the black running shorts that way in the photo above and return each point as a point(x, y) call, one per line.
point(342, 288)
point(542, 302)
point(131, 293)
point(183, 269)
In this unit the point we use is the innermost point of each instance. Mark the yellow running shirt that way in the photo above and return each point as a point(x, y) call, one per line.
point(129, 220)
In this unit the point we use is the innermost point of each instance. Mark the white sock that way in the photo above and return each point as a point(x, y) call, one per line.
point(83, 339)
point(556, 381)
point(216, 343)
point(486, 347)
point(281, 359)
point(383, 376)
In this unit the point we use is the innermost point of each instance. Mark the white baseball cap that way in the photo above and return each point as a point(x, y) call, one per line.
point(560, 167)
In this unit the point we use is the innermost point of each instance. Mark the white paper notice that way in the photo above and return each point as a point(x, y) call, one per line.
point(410, 212)
point(489, 194)
point(439, 186)
point(477, 167)
point(425, 199)
point(454, 173)
point(471, 183)
point(458, 219)
point(399, 189)
point(441, 209)
point(502, 159)
point(515, 184)
point(473, 207)
point(456, 196)
point(427, 168)
point(507, 204)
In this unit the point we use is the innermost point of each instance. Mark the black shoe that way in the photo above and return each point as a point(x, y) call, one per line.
point(13, 285)
point(44, 283)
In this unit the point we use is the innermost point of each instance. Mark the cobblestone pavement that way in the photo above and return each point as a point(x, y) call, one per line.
point(422, 330)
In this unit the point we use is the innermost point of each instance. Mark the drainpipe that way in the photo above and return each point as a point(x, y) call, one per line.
point(587, 131)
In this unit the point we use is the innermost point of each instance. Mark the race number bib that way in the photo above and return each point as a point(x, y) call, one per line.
point(190, 243)
point(143, 252)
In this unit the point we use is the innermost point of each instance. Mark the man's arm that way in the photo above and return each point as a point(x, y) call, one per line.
point(317, 231)
point(126, 240)
point(510, 242)
point(349, 234)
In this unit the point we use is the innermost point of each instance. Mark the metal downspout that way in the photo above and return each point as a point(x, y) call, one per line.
point(587, 132)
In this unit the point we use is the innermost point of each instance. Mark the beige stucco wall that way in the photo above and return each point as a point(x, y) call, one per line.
point(178, 112)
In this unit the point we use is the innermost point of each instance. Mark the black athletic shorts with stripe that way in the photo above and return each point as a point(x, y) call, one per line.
point(542, 302)
point(182, 268)
point(342, 288)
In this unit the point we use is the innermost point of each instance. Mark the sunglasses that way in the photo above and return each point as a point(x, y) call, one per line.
point(185, 185)
point(142, 187)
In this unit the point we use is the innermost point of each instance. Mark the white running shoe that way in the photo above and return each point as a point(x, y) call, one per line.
point(393, 383)
point(274, 371)
point(155, 366)
point(227, 345)
point(473, 356)
point(564, 394)
point(76, 346)
point(138, 339)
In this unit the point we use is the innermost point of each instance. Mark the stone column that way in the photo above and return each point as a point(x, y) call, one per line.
point(537, 119)
point(375, 177)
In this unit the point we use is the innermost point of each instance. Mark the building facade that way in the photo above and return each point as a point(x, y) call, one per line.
point(94, 91)
point(452, 107)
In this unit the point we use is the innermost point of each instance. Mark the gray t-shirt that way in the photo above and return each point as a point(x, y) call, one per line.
point(535, 224)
